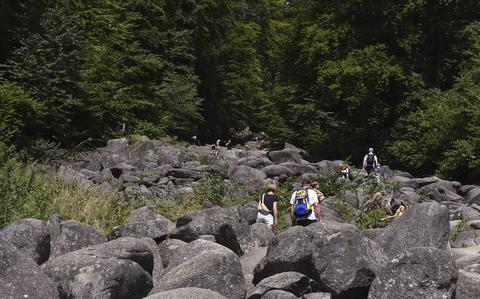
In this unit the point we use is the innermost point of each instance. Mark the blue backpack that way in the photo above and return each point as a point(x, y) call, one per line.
point(302, 206)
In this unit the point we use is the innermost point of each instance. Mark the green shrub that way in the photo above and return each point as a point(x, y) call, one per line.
point(372, 219)
point(345, 210)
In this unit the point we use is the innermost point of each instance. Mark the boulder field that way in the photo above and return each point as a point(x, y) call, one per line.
point(431, 251)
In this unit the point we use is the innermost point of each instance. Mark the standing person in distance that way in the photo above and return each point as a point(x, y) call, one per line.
point(370, 162)
point(267, 206)
point(304, 207)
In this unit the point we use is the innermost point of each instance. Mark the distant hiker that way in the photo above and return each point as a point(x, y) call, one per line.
point(345, 171)
point(375, 203)
point(304, 207)
point(216, 148)
point(267, 206)
point(229, 144)
point(316, 188)
point(370, 162)
point(381, 173)
point(398, 211)
point(195, 140)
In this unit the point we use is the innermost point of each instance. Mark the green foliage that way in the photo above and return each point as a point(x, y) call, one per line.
point(33, 192)
point(345, 210)
point(18, 113)
point(212, 189)
point(372, 219)
point(456, 230)
point(333, 78)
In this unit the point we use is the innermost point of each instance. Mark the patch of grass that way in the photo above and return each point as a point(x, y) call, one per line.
point(372, 219)
point(345, 210)
point(34, 192)
point(213, 189)
point(456, 230)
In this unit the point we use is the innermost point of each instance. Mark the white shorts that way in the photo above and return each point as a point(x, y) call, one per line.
point(268, 219)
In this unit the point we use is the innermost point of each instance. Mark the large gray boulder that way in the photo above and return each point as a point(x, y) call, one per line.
point(86, 276)
point(168, 249)
point(418, 273)
point(318, 295)
point(248, 212)
point(133, 249)
point(330, 227)
point(185, 174)
point(259, 163)
point(228, 227)
point(187, 293)
point(347, 264)
point(473, 196)
point(30, 236)
point(422, 225)
point(299, 169)
point(329, 168)
point(155, 229)
point(249, 261)
point(245, 175)
point(141, 214)
point(285, 155)
point(21, 277)
point(468, 282)
point(290, 250)
point(441, 191)
point(292, 282)
point(261, 234)
point(206, 265)
point(279, 294)
point(277, 170)
point(403, 182)
point(426, 181)
point(71, 235)
point(114, 153)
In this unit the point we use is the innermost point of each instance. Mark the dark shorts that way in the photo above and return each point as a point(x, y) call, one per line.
point(304, 222)
point(370, 169)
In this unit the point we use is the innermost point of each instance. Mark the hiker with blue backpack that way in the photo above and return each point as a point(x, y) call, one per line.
point(304, 207)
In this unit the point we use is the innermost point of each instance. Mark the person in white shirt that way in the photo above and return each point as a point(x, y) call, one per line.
point(370, 162)
point(311, 198)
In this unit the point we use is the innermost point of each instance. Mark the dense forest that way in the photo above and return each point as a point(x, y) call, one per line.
point(333, 77)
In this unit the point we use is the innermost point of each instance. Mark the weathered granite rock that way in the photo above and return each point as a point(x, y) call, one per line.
point(155, 229)
point(187, 293)
point(417, 273)
point(209, 266)
point(29, 236)
point(85, 276)
point(347, 264)
point(292, 282)
point(71, 235)
point(290, 250)
point(422, 225)
point(21, 277)
point(285, 155)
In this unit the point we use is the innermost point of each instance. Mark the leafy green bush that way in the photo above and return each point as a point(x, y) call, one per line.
point(345, 210)
point(372, 219)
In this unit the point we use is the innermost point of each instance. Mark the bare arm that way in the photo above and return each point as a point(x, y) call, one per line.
point(275, 214)
point(291, 213)
point(316, 208)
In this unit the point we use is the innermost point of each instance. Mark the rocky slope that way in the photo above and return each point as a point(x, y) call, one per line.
point(430, 251)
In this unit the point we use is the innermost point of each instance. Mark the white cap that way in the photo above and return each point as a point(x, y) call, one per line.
point(370, 150)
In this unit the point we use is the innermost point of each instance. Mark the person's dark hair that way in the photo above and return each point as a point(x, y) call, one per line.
point(306, 182)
